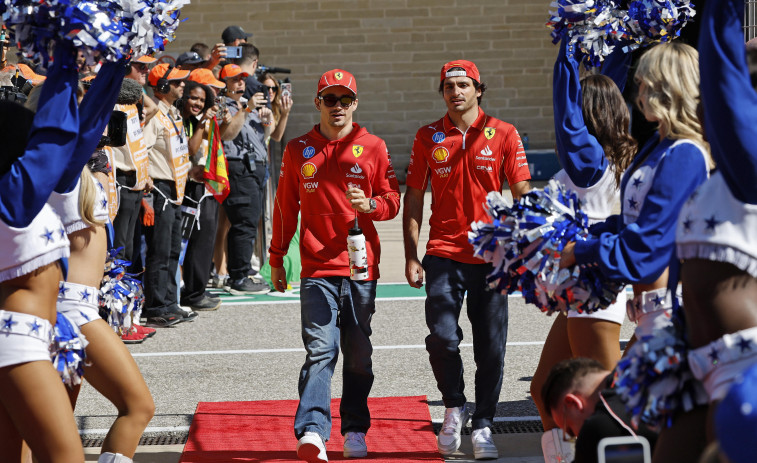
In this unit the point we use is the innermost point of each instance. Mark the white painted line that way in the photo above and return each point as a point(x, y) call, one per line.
point(156, 429)
point(300, 350)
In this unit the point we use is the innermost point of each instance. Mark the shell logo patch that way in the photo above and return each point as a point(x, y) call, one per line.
point(438, 137)
point(489, 132)
point(338, 75)
point(357, 150)
point(308, 152)
point(440, 154)
point(308, 170)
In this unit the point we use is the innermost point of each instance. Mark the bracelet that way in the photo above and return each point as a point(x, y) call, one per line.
point(266, 124)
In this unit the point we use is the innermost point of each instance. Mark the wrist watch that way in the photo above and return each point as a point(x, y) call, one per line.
point(372, 204)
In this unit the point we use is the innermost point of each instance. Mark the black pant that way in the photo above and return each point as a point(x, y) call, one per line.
point(128, 213)
point(163, 249)
point(243, 207)
point(198, 259)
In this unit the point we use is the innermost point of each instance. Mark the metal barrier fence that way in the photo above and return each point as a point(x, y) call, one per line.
point(750, 20)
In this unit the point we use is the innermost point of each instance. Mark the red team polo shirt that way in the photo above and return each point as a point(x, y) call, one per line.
point(463, 168)
point(315, 174)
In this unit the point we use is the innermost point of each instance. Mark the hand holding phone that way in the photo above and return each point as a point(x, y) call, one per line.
point(233, 52)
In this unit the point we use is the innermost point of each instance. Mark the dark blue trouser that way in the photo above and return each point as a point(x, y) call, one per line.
point(335, 311)
point(243, 208)
point(198, 259)
point(447, 282)
point(163, 250)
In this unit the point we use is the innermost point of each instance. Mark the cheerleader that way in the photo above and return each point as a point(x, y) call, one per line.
point(110, 368)
point(33, 403)
point(717, 228)
point(638, 246)
point(594, 146)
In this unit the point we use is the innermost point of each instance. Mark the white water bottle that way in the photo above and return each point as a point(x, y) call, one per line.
point(358, 254)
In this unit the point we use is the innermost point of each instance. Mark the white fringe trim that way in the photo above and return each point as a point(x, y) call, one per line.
point(76, 226)
point(32, 265)
point(719, 253)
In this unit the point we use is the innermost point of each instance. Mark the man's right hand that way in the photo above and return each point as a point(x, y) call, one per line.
point(414, 272)
point(279, 279)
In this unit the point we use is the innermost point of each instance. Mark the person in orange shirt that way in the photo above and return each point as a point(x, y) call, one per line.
point(464, 155)
point(337, 175)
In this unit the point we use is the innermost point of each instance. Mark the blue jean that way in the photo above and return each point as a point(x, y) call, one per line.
point(335, 311)
point(447, 282)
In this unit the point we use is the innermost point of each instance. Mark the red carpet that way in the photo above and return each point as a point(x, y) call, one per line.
point(224, 432)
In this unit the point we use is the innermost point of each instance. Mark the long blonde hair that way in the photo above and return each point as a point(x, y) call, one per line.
point(87, 198)
point(670, 73)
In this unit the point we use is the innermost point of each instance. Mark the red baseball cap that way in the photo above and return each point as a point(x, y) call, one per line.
point(469, 70)
point(232, 70)
point(160, 70)
point(205, 76)
point(337, 77)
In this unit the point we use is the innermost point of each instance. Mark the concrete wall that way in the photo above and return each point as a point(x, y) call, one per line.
point(395, 49)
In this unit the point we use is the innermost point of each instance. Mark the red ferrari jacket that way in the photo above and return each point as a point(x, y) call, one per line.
point(315, 174)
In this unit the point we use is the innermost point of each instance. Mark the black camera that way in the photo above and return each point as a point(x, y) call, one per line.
point(10, 93)
point(117, 130)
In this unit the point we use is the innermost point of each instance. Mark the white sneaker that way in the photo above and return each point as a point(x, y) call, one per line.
point(354, 445)
point(448, 440)
point(311, 449)
point(483, 444)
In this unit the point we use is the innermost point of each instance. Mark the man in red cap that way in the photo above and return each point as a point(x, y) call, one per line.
point(338, 177)
point(464, 155)
point(167, 148)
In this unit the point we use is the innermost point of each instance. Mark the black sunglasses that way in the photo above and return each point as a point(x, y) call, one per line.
point(331, 100)
point(272, 89)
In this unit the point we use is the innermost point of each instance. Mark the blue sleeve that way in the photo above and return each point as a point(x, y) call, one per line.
point(24, 189)
point(579, 152)
point(616, 66)
point(641, 251)
point(94, 114)
point(730, 101)
point(610, 225)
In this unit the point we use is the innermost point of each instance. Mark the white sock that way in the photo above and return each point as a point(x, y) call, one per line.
point(109, 457)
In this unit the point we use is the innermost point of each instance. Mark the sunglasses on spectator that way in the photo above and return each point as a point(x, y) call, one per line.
point(272, 89)
point(142, 67)
point(331, 100)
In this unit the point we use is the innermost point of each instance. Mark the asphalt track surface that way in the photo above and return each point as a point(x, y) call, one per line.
point(251, 349)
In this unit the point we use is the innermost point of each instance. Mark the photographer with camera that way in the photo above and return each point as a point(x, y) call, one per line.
point(246, 154)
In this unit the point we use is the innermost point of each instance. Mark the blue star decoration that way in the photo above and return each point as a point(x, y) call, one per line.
point(8, 323)
point(62, 290)
point(34, 327)
point(712, 223)
point(85, 295)
point(633, 204)
point(637, 181)
point(745, 344)
point(658, 300)
point(48, 235)
point(62, 232)
point(714, 357)
point(100, 186)
point(104, 203)
point(687, 224)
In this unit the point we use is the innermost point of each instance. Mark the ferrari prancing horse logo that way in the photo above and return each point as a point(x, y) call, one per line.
point(489, 132)
point(338, 75)
point(357, 150)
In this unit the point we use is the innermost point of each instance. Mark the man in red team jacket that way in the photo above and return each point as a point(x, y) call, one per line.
point(332, 175)
point(464, 155)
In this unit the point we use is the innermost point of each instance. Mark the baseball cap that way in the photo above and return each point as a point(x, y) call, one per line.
point(26, 72)
point(337, 77)
point(159, 71)
point(469, 70)
point(233, 33)
point(206, 77)
point(146, 59)
point(736, 419)
point(232, 70)
point(189, 57)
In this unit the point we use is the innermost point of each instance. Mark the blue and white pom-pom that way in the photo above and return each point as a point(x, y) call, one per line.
point(654, 380)
point(112, 28)
point(596, 27)
point(121, 296)
point(524, 243)
point(68, 351)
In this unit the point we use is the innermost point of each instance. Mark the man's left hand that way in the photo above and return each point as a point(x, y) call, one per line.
point(357, 200)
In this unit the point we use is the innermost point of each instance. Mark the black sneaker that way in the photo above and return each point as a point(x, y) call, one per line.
point(205, 303)
point(248, 286)
point(162, 317)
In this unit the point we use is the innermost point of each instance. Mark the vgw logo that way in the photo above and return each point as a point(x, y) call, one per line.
point(310, 187)
point(443, 172)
